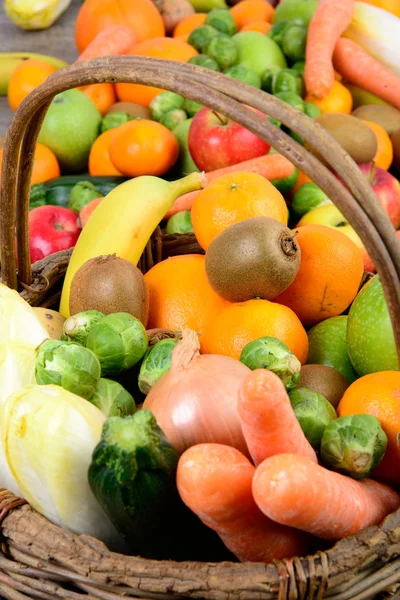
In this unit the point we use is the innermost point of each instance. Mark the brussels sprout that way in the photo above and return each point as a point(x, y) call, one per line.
point(223, 50)
point(119, 341)
point(191, 107)
point(81, 194)
point(268, 78)
point(307, 197)
point(156, 362)
point(112, 399)
point(294, 42)
point(277, 31)
point(313, 412)
point(181, 222)
point(77, 327)
point(299, 66)
point(202, 60)
point(113, 120)
point(291, 98)
point(200, 37)
point(287, 80)
point(353, 445)
point(221, 19)
point(272, 354)
point(68, 365)
point(163, 103)
point(173, 117)
point(311, 110)
point(242, 73)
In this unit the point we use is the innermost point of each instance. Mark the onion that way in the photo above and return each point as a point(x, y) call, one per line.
point(196, 400)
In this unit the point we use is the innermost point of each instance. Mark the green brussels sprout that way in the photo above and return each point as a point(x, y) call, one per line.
point(113, 120)
point(181, 222)
point(297, 137)
point(157, 362)
point(277, 124)
point(203, 60)
point(299, 66)
point(353, 445)
point(82, 193)
point(173, 117)
point(223, 50)
point(313, 412)
point(287, 80)
point(200, 37)
point(68, 365)
point(119, 341)
point(112, 399)
point(294, 42)
point(221, 19)
point(77, 327)
point(242, 73)
point(311, 110)
point(268, 78)
point(272, 354)
point(191, 107)
point(307, 197)
point(291, 98)
point(163, 103)
point(277, 31)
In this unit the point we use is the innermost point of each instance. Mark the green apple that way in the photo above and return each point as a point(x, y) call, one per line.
point(185, 161)
point(327, 346)
point(362, 97)
point(258, 52)
point(288, 10)
point(370, 339)
point(69, 129)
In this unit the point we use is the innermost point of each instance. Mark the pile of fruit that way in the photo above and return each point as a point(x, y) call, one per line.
point(224, 404)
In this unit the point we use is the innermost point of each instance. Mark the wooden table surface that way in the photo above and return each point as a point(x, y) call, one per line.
point(57, 41)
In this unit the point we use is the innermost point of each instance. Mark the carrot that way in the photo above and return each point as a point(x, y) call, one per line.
point(87, 211)
point(268, 422)
point(360, 68)
point(296, 492)
point(270, 166)
point(328, 23)
point(111, 41)
point(215, 481)
point(173, 11)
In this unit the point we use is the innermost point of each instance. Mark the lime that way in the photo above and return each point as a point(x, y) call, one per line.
point(18, 321)
point(221, 19)
point(245, 75)
point(223, 50)
point(202, 36)
point(202, 60)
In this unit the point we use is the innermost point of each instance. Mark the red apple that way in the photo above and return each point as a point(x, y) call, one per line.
point(51, 229)
point(216, 142)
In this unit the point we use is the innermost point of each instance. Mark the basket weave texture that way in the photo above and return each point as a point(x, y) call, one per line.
point(41, 560)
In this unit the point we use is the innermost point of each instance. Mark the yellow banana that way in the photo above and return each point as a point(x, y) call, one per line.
point(124, 221)
point(10, 60)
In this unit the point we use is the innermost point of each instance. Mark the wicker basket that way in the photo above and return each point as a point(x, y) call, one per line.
point(40, 560)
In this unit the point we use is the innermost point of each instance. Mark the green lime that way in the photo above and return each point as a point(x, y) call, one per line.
point(203, 60)
point(221, 19)
point(202, 36)
point(223, 50)
point(245, 75)
point(308, 197)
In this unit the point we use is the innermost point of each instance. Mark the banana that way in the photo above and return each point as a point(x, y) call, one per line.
point(10, 61)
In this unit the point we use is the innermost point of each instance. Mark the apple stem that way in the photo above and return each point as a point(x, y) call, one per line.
point(221, 119)
point(372, 173)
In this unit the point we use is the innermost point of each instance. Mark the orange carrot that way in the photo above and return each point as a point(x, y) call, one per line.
point(270, 166)
point(87, 211)
point(296, 492)
point(268, 422)
point(111, 41)
point(328, 23)
point(360, 68)
point(215, 481)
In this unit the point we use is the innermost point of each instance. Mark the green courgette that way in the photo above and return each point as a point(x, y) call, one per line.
point(57, 191)
point(133, 477)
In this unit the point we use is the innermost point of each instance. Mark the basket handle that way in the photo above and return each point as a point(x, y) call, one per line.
point(225, 95)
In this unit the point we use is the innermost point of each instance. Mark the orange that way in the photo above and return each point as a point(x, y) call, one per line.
point(260, 26)
point(240, 323)
point(161, 47)
point(248, 11)
point(180, 295)
point(330, 274)
point(27, 76)
point(143, 147)
point(45, 164)
point(339, 100)
point(95, 15)
point(184, 37)
point(233, 198)
point(384, 154)
point(101, 94)
point(378, 394)
point(99, 157)
point(189, 23)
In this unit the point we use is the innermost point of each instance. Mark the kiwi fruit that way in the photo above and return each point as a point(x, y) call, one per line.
point(110, 284)
point(386, 116)
point(134, 110)
point(395, 139)
point(255, 258)
point(325, 380)
point(351, 133)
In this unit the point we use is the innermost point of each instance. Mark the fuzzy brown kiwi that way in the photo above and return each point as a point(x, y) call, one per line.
point(134, 110)
point(110, 284)
point(387, 117)
point(255, 258)
point(325, 380)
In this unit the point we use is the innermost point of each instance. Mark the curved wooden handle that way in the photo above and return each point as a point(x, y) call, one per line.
point(358, 203)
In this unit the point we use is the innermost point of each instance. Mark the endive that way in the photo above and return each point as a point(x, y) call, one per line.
point(35, 14)
point(378, 32)
point(18, 321)
point(49, 436)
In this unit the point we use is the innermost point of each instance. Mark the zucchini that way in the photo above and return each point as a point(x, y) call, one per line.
point(57, 191)
point(133, 477)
